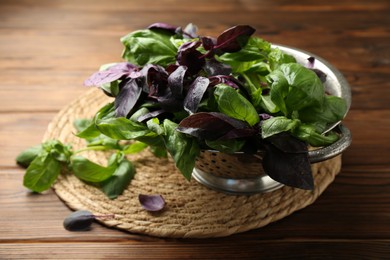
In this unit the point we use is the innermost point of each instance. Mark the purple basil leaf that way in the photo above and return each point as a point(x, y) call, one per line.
point(171, 68)
point(310, 62)
point(195, 94)
point(113, 73)
point(310, 65)
point(151, 202)
point(235, 123)
point(189, 46)
point(320, 74)
point(169, 102)
point(264, 116)
point(210, 126)
point(150, 115)
point(156, 80)
point(204, 125)
point(208, 43)
point(80, 220)
point(214, 68)
point(191, 58)
point(176, 81)
point(163, 26)
point(127, 97)
point(233, 39)
point(287, 143)
point(228, 80)
point(191, 31)
point(291, 169)
point(240, 133)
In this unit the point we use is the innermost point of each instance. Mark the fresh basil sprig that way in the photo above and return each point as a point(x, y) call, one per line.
point(45, 162)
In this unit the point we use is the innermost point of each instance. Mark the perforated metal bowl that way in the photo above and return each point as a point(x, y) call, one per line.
point(243, 174)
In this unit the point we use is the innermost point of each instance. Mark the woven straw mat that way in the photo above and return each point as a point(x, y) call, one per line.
point(191, 210)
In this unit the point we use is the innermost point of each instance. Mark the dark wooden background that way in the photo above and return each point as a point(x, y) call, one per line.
point(47, 49)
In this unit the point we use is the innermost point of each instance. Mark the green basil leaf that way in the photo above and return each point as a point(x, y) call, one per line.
point(149, 47)
point(252, 83)
point(107, 111)
point(226, 146)
point(276, 125)
point(260, 68)
point(86, 129)
point(249, 57)
point(308, 133)
point(120, 179)
point(135, 147)
point(332, 110)
point(42, 172)
point(182, 148)
point(305, 89)
point(154, 125)
point(93, 136)
point(123, 129)
point(27, 156)
point(89, 171)
point(159, 151)
point(233, 104)
point(294, 87)
point(267, 104)
point(279, 90)
point(81, 123)
point(140, 112)
point(60, 151)
point(277, 57)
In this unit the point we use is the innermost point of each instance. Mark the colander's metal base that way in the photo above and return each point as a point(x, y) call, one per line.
point(264, 183)
point(247, 186)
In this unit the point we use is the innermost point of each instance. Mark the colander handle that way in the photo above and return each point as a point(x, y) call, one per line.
point(334, 149)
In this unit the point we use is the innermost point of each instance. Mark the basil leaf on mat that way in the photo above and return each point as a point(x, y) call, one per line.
point(87, 170)
point(42, 172)
point(119, 180)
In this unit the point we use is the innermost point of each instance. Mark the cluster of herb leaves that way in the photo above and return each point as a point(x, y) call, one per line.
point(45, 162)
point(178, 92)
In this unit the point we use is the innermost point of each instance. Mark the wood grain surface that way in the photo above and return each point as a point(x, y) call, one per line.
point(48, 48)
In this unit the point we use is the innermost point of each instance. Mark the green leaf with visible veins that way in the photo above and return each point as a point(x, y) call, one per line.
point(149, 47)
point(27, 156)
point(120, 179)
point(184, 149)
point(42, 172)
point(86, 170)
point(235, 105)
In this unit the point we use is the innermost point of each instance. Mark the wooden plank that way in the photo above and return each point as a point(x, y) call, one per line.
point(318, 249)
point(370, 138)
point(19, 132)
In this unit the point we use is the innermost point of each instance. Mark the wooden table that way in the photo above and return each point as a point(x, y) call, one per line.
point(47, 49)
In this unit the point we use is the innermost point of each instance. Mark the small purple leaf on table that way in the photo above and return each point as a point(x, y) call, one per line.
point(151, 202)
